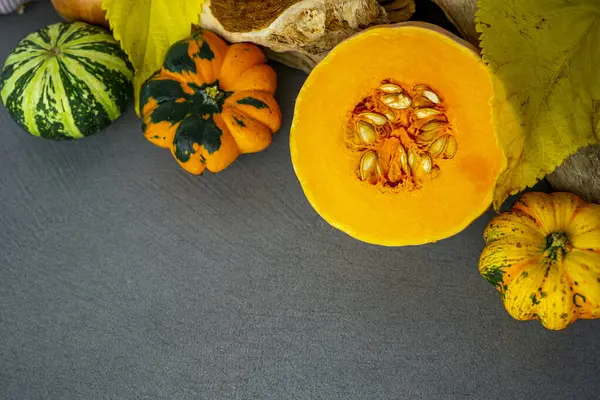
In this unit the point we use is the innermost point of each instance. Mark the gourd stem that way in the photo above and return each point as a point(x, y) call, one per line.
point(556, 244)
point(54, 51)
point(556, 239)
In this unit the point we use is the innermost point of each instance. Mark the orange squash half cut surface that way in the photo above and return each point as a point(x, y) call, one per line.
point(391, 139)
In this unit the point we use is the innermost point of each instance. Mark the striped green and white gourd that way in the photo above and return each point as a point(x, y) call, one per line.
point(66, 81)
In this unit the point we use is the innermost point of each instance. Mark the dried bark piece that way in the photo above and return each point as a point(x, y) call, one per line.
point(298, 33)
point(579, 174)
point(398, 10)
point(462, 14)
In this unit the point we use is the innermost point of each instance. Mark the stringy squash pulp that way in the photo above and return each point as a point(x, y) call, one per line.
point(391, 139)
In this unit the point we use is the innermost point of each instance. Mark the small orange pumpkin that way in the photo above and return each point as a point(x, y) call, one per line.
point(211, 102)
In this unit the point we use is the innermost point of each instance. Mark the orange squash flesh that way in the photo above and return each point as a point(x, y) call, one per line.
point(411, 54)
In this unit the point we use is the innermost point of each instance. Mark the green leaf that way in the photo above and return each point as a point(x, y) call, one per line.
point(545, 60)
point(146, 30)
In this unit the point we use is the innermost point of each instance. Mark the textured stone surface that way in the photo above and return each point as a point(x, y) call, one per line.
point(123, 277)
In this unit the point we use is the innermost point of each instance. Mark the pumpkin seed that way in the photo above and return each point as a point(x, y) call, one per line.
point(431, 96)
point(421, 101)
point(391, 116)
point(389, 98)
point(426, 164)
point(426, 112)
point(390, 88)
point(422, 143)
point(366, 132)
point(368, 165)
point(401, 103)
point(379, 170)
point(432, 126)
point(412, 159)
point(374, 118)
point(438, 146)
point(451, 147)
point(435, 172)
point(403, 159)
point(426, 136)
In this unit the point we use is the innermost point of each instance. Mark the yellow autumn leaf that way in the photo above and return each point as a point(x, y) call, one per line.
point(146, 30)
point(545, 60)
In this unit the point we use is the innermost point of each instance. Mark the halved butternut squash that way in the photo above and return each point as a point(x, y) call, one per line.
point(391, 139)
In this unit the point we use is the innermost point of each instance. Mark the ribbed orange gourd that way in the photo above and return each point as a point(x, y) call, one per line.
point(211, 102)
point(391, 139)
point(543, 256)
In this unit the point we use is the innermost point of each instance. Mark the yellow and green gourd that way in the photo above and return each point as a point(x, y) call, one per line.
point(543, 256)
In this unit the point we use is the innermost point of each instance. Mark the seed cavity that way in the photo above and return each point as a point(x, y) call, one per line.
point(403, 136)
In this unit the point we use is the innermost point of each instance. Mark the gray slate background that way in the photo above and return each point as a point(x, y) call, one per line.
point(123, 277)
